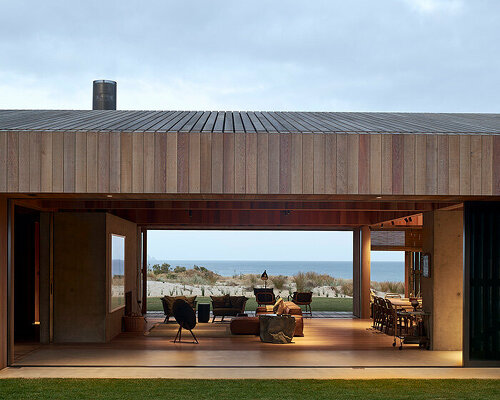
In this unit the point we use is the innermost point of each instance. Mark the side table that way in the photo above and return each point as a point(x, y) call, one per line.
point(203, 312)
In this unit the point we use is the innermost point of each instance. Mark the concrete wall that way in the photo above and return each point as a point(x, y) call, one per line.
point(3, 282)
point(82, 272)
point(443, 291)
point(79, 277)
point(119, 226)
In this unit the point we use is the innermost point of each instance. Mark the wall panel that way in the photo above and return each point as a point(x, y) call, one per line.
point(252, 163)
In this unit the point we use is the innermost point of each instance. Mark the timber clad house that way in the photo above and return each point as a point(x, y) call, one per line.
point(69, 179)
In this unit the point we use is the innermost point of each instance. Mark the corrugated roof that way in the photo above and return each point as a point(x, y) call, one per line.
point(246, 121)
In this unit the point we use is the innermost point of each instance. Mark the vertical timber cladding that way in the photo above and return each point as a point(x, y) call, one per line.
point(250, 162)
point(482, 284)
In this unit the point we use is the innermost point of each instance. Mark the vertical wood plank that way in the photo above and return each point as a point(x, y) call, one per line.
point(46, 162)
point(341, 163)
point(3, 161)
point(92, 157)
point(58, 162)
point(217, 163)
point(465, 187)
point(182, 162)
point(296, 164)
point(386, 164)
point(397, 164)
point(263, 163)
point(149, 162)
point(475, 165)
point(251, 163)
point(409, 164)
point(194, 162)
point(307, 163)
point(319, 163)
point(420, 164)
point(431, 165)
point(103, 162)
point(443, 168)
point(364, 164)
point(285, 163)
point(80, 162)
point(274, 163)
point(330, 163)
point(35, 161)
point(376, 163)
point(24, 161)
point(13, 162)
point(126, 162)
point(454, 164)
point(496, 166)
point(69, 162)
point(239, 162)
point(114, 162)
point(138, 162)
point(486, 164)
point(160, 149)
point(352, 163)
point(171, 162)
point(206, 162)
point(228, 162)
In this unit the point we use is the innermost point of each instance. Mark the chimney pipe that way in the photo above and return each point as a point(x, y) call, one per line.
point(104, 95)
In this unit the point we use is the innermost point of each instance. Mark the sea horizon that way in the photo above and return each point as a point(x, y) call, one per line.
point(380, 270)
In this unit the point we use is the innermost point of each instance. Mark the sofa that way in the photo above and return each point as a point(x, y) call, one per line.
point(223, 306)
point(168, 302)
point(251, 325)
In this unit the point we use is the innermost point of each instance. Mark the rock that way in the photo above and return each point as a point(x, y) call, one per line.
point(276, 328)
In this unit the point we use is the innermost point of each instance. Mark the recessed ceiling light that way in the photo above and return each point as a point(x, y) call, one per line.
point(109, 195)
point(378, 197)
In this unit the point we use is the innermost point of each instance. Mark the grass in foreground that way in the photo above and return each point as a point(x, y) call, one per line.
point(318, 304)
point(150, 389)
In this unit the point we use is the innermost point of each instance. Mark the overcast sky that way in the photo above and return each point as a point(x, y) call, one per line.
point(392, 55)
point(385, 55)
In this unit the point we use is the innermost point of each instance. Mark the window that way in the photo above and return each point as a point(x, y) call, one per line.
point(117, 278)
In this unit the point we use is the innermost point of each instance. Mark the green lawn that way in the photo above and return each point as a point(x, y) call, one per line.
point(318, 304)
point(151, 389)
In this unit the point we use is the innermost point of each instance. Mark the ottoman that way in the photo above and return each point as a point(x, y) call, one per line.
point(245, 326)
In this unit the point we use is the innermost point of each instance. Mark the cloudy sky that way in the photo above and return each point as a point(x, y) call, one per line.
point(386, 55)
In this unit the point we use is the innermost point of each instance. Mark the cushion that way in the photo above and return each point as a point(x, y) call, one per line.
point(237, 301)
point(169, 301)
point(278, 306)
point(191, 300)
point(220, 301)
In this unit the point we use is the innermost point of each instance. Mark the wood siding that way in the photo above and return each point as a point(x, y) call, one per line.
point(249, 163)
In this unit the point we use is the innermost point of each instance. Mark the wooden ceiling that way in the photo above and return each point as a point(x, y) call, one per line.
point(247, 214)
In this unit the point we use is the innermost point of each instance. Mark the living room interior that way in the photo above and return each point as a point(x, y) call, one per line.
point(126, 338)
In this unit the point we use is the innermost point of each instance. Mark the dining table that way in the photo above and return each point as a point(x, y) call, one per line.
point(403, 302)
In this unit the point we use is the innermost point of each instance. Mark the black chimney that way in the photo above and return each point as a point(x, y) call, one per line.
point(104, 95)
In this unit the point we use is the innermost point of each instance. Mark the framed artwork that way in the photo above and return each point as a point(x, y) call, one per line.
point(426, 265)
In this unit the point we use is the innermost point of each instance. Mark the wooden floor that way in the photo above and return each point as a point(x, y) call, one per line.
point(327, 343)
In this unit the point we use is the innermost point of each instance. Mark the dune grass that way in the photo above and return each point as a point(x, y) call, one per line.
point(150, 389)
point(318, 304)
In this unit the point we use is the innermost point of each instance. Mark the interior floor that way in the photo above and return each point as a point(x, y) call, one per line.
point(326, 343)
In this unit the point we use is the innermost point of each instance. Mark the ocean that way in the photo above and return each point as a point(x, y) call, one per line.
point(380, 270)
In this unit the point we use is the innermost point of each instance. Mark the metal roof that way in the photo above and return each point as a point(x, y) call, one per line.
point(247, 121)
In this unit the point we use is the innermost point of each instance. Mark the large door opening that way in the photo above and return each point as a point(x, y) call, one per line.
point(26, 276)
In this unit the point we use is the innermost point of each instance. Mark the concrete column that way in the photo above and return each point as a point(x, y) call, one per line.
point(442, 292)
point(408, 257)
point(365, 271)
point(356, 273)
